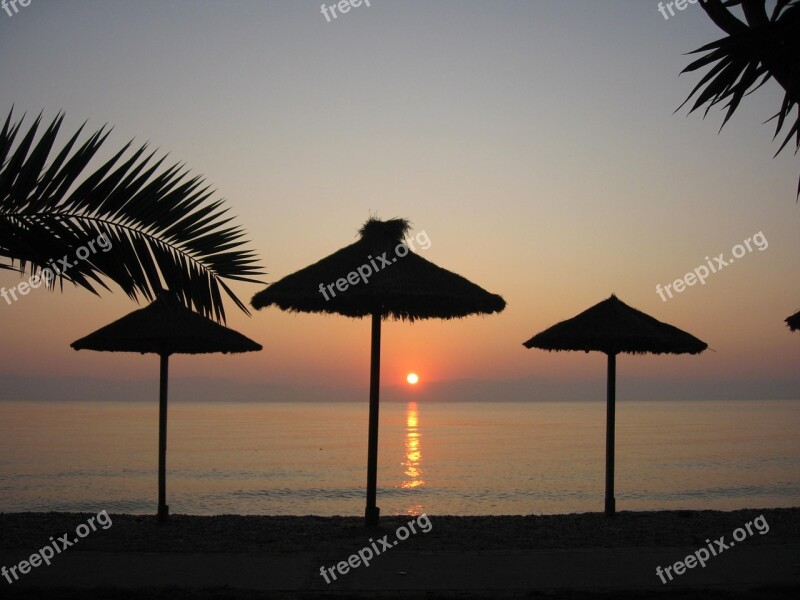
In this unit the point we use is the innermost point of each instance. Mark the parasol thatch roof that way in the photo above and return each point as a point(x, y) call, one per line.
point(612, 326)
point(410, 287)
point(794, 321)
point(166, 327)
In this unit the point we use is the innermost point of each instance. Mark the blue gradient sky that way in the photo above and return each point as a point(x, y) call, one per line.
point(534, 142)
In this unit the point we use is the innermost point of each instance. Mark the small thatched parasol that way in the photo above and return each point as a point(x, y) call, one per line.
point(794, 321)
point(390, 281)
point(165, 327)
point(613, 327)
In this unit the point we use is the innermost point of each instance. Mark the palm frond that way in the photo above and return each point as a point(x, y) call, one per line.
point(765, 47)
point(161, 226)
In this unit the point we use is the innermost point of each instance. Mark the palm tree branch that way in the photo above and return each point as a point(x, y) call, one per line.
point(763, 48)
point(205, 251)
point(163, 226)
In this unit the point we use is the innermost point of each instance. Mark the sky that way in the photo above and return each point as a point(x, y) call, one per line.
point(535, 143)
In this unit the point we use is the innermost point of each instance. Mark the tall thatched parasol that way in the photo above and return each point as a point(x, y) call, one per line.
point(613, 327)
point(165, 327)
point(380, 278)
point(794, 321)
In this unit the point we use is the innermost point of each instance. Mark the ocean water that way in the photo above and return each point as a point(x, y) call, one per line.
point(455, 458)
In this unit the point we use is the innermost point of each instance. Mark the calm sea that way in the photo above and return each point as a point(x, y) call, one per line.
point(458, 458)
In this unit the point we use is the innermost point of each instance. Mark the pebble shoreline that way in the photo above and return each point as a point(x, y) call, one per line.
point(234, 533)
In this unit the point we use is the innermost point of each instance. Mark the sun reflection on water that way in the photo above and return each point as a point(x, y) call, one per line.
point(413, 459)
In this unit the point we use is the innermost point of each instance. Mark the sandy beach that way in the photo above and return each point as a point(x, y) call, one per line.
point(633, 543)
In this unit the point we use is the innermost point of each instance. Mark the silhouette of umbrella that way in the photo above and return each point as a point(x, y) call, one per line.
point(378, 277)
point(794, 321)
point(165, 327)
point(612, 326)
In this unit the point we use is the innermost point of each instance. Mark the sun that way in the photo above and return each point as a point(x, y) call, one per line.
point(412, 378)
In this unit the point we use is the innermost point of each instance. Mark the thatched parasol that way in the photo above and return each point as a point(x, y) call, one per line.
point(390, 281)
point(613, 327)
point(165, 327)
point(794, 321)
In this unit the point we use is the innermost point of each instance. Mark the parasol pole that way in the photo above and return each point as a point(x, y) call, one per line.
point(610, 399)
point(163, 509)
point(372, 512)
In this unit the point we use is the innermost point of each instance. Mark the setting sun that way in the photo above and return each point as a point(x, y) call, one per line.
point(412, 378)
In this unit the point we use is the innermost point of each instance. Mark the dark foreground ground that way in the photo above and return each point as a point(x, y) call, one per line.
point(764, 593)
point(582, 556)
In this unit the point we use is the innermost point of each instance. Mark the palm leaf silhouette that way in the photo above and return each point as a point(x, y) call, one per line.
point(163, 229)
point(762, 48)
